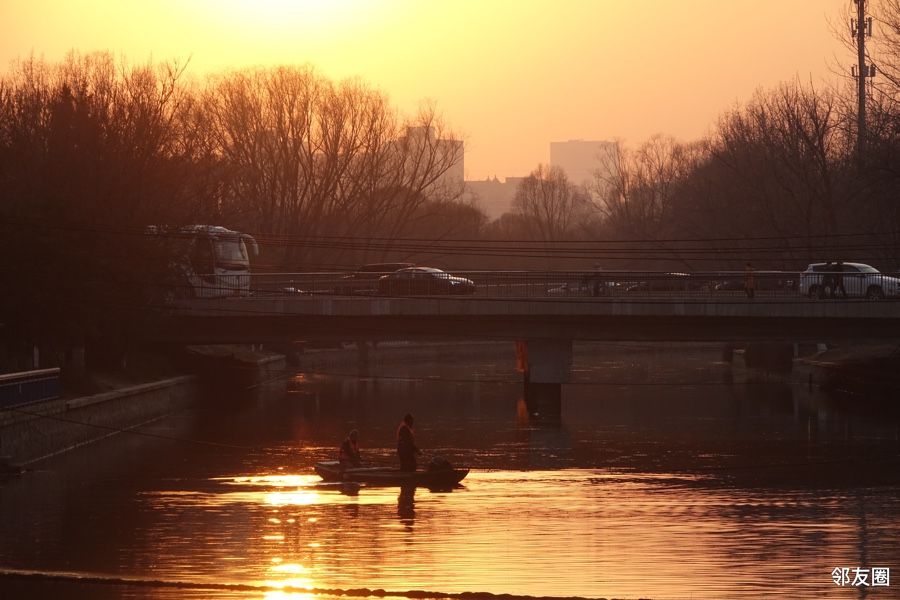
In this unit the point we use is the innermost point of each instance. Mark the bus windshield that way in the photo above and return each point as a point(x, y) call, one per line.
point(231, 253)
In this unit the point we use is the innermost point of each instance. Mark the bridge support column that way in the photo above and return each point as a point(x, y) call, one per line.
point(545, 365)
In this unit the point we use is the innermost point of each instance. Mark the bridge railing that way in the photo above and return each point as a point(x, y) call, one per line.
point(27, 387)
point(619, 285)
point(574, 284)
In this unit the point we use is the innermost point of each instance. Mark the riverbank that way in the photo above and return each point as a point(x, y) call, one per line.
point(127, 400)
point(872, 370)
point(40, 430)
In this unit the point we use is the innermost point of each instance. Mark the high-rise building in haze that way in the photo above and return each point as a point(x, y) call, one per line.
point(493, 196)
point(580, 159)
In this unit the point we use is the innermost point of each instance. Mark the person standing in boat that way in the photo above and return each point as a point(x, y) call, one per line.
point(349, 453)
point(406, 444)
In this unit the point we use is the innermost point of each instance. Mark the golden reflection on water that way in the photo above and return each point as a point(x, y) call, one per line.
point(294, 583)
point(293, 568)
point(280, 480)
point(280, 595)
point(298, 498)
point(297, 579)
point(289, 490)
point(555, 533)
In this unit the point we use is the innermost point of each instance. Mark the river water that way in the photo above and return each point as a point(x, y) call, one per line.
point(663, 478)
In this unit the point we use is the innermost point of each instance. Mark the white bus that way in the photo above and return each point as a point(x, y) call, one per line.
point(210, 261)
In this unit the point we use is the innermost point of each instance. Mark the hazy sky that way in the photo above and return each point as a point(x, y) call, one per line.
point(509, 76)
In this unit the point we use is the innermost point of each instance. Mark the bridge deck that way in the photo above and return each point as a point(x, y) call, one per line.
point(299, 317)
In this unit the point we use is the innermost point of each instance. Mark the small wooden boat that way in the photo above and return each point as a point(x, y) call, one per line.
point(330, 470)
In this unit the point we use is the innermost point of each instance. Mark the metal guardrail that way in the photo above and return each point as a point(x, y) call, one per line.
point(27, 387)
point(621, 285)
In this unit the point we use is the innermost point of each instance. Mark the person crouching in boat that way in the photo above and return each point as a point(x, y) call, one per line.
point(349, 453)
point(406, 444)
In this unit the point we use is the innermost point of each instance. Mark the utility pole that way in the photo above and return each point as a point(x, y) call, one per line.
point(862, 28)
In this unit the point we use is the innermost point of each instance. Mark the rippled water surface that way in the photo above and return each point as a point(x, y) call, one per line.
point(661, 479)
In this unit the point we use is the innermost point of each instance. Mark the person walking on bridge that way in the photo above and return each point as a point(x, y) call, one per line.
point(349, 454)
point(839, 280)
point(406, 444)
point(749, 281)
point(828, 281)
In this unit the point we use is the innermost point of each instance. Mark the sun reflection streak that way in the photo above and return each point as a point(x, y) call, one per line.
point(273, 480)
point(281, 595)
point(298, 583)
point(298, 498)
point(292, 568)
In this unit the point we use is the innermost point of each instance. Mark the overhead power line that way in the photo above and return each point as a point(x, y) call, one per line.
point(287, 239)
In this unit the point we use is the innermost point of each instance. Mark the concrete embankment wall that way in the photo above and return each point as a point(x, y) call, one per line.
point(37, 431)
point(872, 370)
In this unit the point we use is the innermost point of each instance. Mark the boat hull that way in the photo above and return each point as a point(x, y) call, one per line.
point(330, 470)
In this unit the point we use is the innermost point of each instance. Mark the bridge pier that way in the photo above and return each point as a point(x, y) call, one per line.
point(544, 400)
point(545, 365)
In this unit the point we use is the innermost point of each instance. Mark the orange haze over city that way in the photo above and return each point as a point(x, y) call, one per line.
point(509, 76)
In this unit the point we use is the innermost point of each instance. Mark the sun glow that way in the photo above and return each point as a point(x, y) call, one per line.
point(297, 18)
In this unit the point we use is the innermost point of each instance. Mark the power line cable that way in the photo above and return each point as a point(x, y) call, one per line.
point(303, 238)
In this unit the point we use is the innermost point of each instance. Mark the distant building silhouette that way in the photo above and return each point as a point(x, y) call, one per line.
point(493, 196)
point(580, 159)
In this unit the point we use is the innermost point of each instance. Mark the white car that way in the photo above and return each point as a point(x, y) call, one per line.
point(819, 280)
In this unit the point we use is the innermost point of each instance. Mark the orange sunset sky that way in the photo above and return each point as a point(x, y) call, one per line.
point(510, 76)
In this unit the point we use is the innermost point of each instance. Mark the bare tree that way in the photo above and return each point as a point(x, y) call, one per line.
point(313, 159)
point(91, 151)
point(635, 190)
point(549, 202)
point(780, 154)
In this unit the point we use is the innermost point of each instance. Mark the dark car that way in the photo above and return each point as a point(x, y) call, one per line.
point(424, 281)
point(365, 279)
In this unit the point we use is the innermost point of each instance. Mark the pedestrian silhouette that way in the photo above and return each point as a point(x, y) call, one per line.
point(749, 281)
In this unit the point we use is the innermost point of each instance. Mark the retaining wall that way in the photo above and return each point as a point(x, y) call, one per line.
point(37, 431)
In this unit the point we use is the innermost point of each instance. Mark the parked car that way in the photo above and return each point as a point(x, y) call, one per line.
point(424, 281)
point(365, 279)
point(819, 281)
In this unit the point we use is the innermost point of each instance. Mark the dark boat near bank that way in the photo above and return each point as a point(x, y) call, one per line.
point(330, 470)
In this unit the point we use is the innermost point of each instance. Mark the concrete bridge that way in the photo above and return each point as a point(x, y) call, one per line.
point(543, 313)
point(282, 319)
